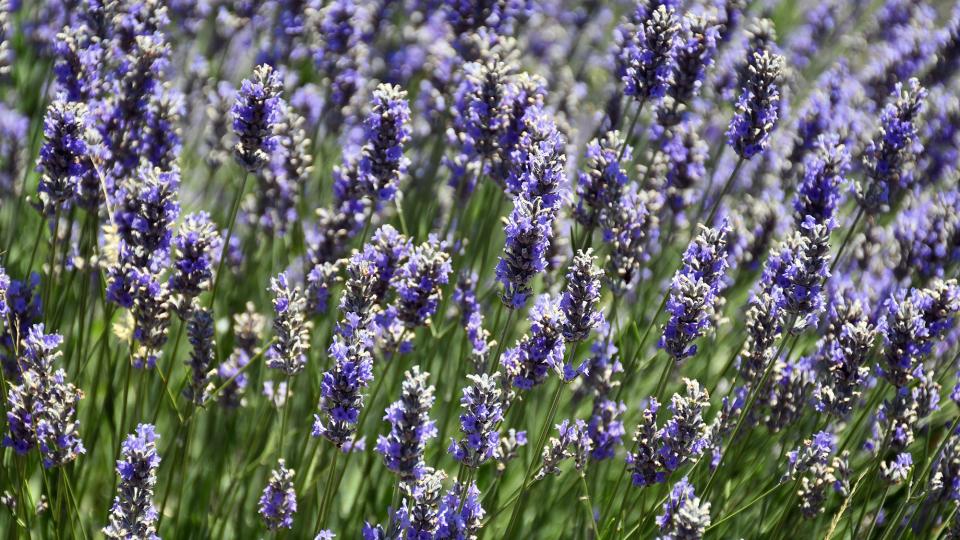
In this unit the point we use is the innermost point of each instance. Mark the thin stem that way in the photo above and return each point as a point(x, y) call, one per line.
point(235, 208)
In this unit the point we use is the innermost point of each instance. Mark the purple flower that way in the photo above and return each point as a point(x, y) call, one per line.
point(819, 189)
point(603, 181)
point(572, 442)
point(418, 282)
point(684, 515)
point(627, 227)
point(483, 412)
point(528, 231)
point(693, 54)
point(890, 158)
point(197, 243)
point(580, 298)
point(758, 107)
point(200, 332)
point(695, 292)
point(341, 387)
point(42, 408)
point(659, 452)
point(256, 112)
point(133, 513)
point(410, 427)
point(841, 357)
point(542, 350)
point(648, 55)
point(289, 352)
point(278, 503)
point(471, 317)
point(605, 430)
point(64, 161)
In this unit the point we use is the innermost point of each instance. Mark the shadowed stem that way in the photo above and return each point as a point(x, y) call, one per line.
point(226, 241)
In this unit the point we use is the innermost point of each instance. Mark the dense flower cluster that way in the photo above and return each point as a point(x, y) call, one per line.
point(418, 249)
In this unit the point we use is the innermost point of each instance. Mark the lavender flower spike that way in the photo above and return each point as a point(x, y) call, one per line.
point(890, 158)
point(483, 412)
point(758, 108)
point(418, 283)
point(382, 163)
point(196, 244)
point(649, 55)
point(410, 427)
point(341, 387)
point(256, 113)
point(293, 330)
point(278, 503)
point(695, 292)
point(64, 158)
point(684, 517)
point(42, 409)
point(580, 298)
point(133, 514)
point(528, 232)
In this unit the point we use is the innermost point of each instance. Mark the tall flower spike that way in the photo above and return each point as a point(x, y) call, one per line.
point(531, 360)
point(197, 244)
point(418, 283)
point(649, 55)
point(796, 270)
point(842, 356)
point(64, 159)
point(278, 503)
point(483, 412)
point(627, 227)
point(681, 162)
point(573, 442)
point(580, 297)
point(693, 55)
point(341, 388)
point(410, 427)
point(382, 163)
point(758, 107)
point(819, 190)
point(256, 113)
point(528, 231)
point(200, 332)
point(890, 158)
point(685, 516)
point(42, 409)
point(481, 108)
point(695, 292)
point(133, 514)
point(600, 186)
point(289, 353)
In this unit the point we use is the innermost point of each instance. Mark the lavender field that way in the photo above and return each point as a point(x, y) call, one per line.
point(479, 269)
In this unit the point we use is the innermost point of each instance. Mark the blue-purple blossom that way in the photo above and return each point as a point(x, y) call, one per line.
point(196, 245)
point(889, 159)
point(483, 412)
point(256, 113)
point(695, 292)
point(289, 352)
point(648, 55)
point(572, 442)
point(528, 231)
point(278, 503)
point(580, 298)
point(659, 452)
point(341, 388)
point(64, 161)
point(133, 514)
point(758, 107)
point(418, 282)
point(540, 351)
point(42, 407)
point(602, 182)
point(471, 317)
point(410, 427)
point(684, 516)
